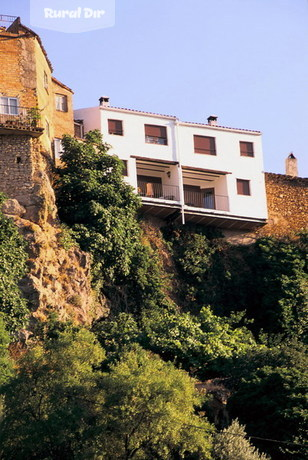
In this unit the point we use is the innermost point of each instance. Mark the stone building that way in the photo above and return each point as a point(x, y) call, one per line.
point(35, 111)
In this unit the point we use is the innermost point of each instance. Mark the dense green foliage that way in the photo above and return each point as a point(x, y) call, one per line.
point(150, 411)
point(12, 268)
point(270, 397)
point(60, 405)
point(196, 343)
point(100, 208)
point(50, 403)
point(6, 364)
point(268, 279)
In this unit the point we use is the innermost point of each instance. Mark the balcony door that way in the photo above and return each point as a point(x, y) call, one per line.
point(150, 186)
point(200, 198)
point(209, 198)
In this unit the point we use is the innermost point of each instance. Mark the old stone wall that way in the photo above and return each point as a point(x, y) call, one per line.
point(287, 201)
point(24, 176)
point(18, 69)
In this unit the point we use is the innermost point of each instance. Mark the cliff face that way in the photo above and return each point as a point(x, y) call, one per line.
point(58, 279)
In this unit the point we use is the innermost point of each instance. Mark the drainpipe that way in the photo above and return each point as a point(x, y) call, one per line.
point(178, 153)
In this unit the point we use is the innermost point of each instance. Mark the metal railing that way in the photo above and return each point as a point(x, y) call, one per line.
point(207, 201)
point(159, 191)
point(16, 117)
point(155, 140)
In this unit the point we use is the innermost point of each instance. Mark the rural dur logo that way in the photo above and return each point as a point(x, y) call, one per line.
point(72, 16)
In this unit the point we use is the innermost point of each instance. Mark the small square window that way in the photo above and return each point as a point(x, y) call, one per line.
point(155, 134)
point(61, 102)
point(205, 145)
point(243, 187)
point(246, 149)
point(115, 127)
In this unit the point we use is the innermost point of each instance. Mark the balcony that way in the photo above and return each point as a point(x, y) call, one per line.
point(206, 200)
point(21, 120)
point(158, 191)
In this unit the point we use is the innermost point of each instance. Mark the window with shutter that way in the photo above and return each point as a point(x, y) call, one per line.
point(246, 149)
point(61, 102)
point(155, 134)
point(243, 187)
point(115, 127)
point(205, 145)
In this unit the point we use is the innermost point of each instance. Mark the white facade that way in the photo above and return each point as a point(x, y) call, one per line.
point(221, 186)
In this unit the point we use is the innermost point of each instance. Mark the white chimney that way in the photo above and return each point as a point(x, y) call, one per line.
point(291, 166)
point(212, 120)
point(104, 101)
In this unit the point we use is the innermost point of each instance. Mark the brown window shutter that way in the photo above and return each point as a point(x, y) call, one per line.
point(246, 149)
point(115, 127)
point(155, 131)
point(243, 187)
point(204, 144)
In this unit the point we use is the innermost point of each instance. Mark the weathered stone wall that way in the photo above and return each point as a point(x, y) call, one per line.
point(18, 69)
point(287, 201)
point(24, 172)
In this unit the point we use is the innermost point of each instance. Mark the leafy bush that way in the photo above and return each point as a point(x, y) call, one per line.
point(270, 395)
point(232, 444)
point(100, 208)
point(12, 268)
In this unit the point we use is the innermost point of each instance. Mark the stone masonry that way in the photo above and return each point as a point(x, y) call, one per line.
point(287, 201)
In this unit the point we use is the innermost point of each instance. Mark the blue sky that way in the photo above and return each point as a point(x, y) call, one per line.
point(243, 60)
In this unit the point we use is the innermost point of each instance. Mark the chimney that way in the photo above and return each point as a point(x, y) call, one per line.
point(212, 120)
point(104, 101)
point(291, 166)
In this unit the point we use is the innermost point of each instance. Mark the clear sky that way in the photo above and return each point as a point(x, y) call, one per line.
point(243, 60)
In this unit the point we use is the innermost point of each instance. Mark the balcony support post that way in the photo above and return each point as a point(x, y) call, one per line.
point(180, 172)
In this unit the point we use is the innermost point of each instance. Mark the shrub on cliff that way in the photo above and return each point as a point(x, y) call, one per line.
point(13, 258)
point(101, 209)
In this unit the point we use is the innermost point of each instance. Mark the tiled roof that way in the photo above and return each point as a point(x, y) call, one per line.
point(58, 82)
point(182, 122)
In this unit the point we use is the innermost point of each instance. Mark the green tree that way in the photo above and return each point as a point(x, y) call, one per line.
point(101, 209)
point(270, 398)
point(232, 444)
point(13, 258)
point(198, 343)
point(149, 411)
point(52, 401)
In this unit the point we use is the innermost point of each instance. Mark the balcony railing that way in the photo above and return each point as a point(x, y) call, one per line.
point(159, 191)
point(206, 201)
point(21, 118)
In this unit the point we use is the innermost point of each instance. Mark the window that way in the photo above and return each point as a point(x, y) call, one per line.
point(61, 102)
point(205, 145)
point(246, 149)
point(155, 134)
point(9, 105)
point(115, 127)
point(58, 148)
point(78, 129)
point(125, 170)
point(46, 81)
point(243, 187)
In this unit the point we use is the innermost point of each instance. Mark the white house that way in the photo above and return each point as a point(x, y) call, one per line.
point(185, 171)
